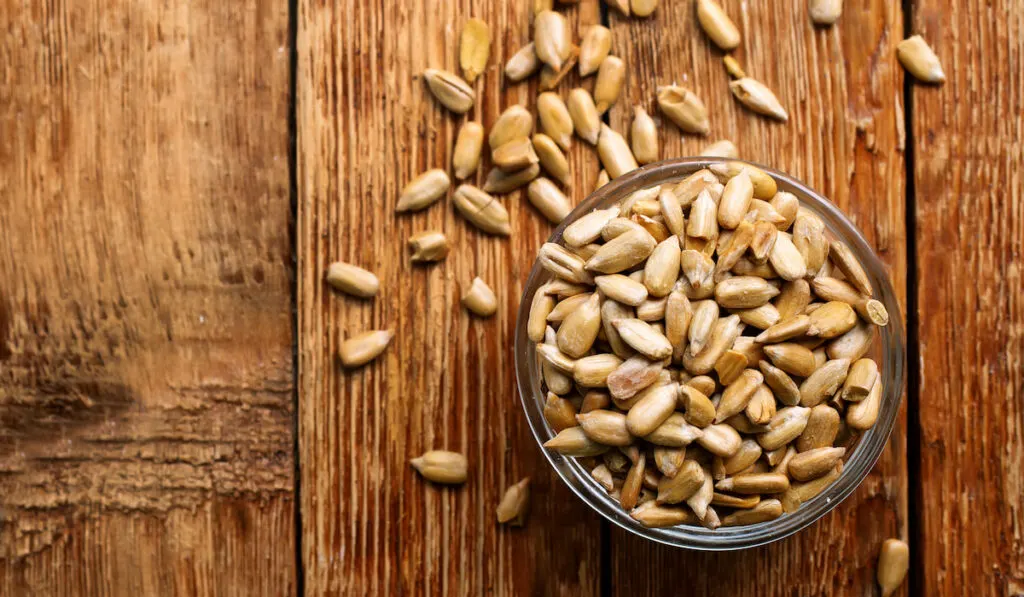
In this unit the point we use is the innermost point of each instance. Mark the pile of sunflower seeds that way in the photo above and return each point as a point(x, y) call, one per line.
point(703, 346)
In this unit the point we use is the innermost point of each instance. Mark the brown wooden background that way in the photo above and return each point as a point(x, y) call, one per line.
point(175, 176)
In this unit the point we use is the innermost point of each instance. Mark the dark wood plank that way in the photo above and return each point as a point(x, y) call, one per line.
point(970, 226)
point(843, 90)
point(366, 125)
point(146, 379)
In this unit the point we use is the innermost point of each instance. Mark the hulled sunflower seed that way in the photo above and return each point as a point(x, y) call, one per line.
point(722, 148)
point(832, 319)
point(442, 466)
point(643, 138)
point(809, 239)
point(515, 122)
point(765, 186)
point(720, 440)
point(893, 563)
point(787, 425)
point(823, 382)
point(502, 182)
point(515, 155)
point(730, 365)
point(468, 146)
point(754, 484)
point(595, 400)
point(684, 108)
point(539, 310)
point(792, 358)
point(852, 345)
point(729, 501)
point(585, 119)
point(700, 412)
point(746, 456)
point(352, 279)
point(474, 48)
point(862, 377)
point(633, 483)
point(832, 289)
point(798, 493)
point(717, 25)
point(843, 258)
point(449, 89)
point(567, 306)
point(594, 48)
point(560, 262)
point(555, 365)
point(814, 463)
point(574, 442)
point(480, 299)
point(555, 119)
point(918, 58)
point(588, 228)
point(551, 38)
point(559, 412)
point(786, 259)
point(610, 77)
point(756, 96)
point(651, 410)
point(669, 460)
point(423, 191)
point(793, 327)
point(678, 315)
point(737, 394)
point(522, 64)
point(643, 8)
point(363, 348)
point(763, 241)
point(662, 267)
point(427, 246)
point(761, 407)
point(606, 427)
point(672, 213)
point(862, 415)
point(482, 210)
point(612, 311)
point(622, 252)
point(675, 432)
point(820, 432)
point(762, 317)
point(703, 222)
point(515, 504)
point(793, 298)
point(744, 292)
point(735, 202)
point(551, 158)
point(579, 330)
point(643, 338)
point(723, 334)
point(622, 289)
point(825, 12)
point(654, 515)
point(786, 205)
point(687, 481)
point(549, 200)
point(633, 375)
point(652, 310)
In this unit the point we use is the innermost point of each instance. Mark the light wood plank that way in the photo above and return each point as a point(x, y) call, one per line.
point(146, 379)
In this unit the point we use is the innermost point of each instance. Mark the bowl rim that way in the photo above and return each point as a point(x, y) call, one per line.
point(857, 465)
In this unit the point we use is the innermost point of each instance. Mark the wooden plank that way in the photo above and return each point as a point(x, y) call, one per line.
point(146, 379)
point(843, 90)
point(366, 125)
point(970, 226)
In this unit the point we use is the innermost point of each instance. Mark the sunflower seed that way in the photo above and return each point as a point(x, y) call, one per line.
point(654, 226)
point(585, 118)
point(551, 358)
point(735, 202)
point(502, 182)
point(515, 155)
point(588, 228)
point(654, 515)
point(555, 119)
point(449, 89)
point(684, 108)
point(551, 158)
point(567, 306)
point(675, 432)
point(754, 484)
point(594, 48)
point(474, 48)
point(799, 493)
point(550, 77)
point(720, 440)
point(441, 466)
point(662, 267)
point(481, 210)
point(764, 185)
point(551, 38)
point(723, 335)
point(825, 12)
point(549, 200)
point(605, 427)
point(822, 383)
point(843, 258)
point(352, 279)
point(427, 246)
point(515, 504)
point(633, 483)
point(737, 394)
point(735, 71)
point(717, 25)
point(862, 415)
point(515, 122)
point(747, 455)
point(363, 348)
point(793, 297)
point(820, 432)
point(814, 463)
point(729, 501)
point(918, 58)
point(700, 412)
point(574, 442)
point(893, 563)
point(862, 377)
point(619, 226)
point(791, 358)
point(722, 148)
point(610, 77)
point(852, 345)
point(423, 191)
point(669, 460)
point(786, 259)
point(832, 319)
point(559, 360)
point(643, 138)
point(643, 338)
point(677, 489)
point(758, 97)
point(579, 330)
point(761, 407)
point(603, 476)
point(787, 424)
point(622, 252)
point(622, 6)
point(522, 64)
point(793, 327)
point(559, 412)
point(809, 239)
point(480, 298)
point(744, 292)
point(703, 222)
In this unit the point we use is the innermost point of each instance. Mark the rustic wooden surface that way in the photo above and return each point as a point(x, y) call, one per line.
point(146, 373)
point(970, 254)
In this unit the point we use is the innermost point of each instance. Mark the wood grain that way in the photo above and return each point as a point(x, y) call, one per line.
point(146, 379)
point(970, 226)
point(843, 89)
point(366, 125)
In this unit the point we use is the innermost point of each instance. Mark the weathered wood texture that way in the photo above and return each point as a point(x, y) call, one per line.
point(843, 89)
point(366, 125)
point(970, 253)
point(146, 378)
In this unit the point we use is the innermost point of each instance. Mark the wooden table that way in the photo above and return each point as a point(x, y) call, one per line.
point(173, 420)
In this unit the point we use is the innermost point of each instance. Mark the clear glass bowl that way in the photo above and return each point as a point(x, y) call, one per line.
point(888, 350)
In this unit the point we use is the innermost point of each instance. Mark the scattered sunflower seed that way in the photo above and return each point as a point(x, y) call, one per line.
point(449, 89)
point(474, 48)
point(352, 279)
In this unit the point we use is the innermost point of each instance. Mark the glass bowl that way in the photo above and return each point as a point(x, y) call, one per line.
point(888, 351)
